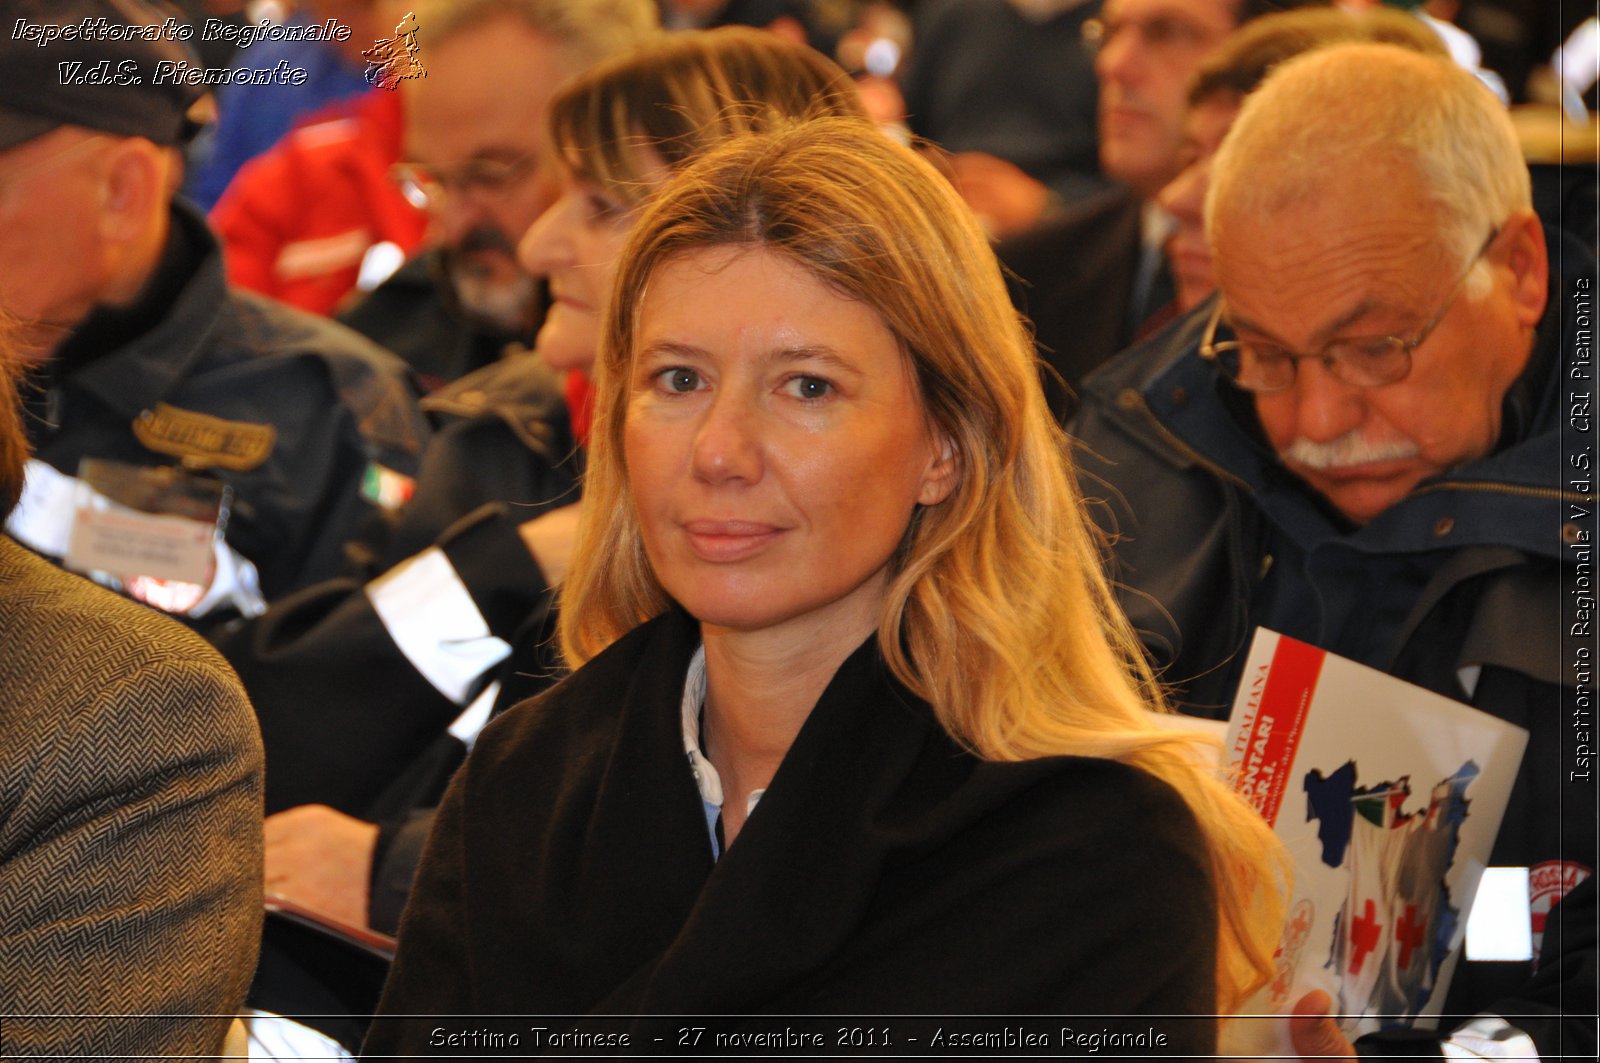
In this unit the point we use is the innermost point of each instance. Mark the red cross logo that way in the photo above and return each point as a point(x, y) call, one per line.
point(1365, 933)
point(1300, 925)
point(1409, 933)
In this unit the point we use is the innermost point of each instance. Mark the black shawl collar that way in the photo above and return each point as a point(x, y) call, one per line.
point(885, 872)
point(642, 918)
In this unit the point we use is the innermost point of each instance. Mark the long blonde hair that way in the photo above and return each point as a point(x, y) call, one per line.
point(998, 613)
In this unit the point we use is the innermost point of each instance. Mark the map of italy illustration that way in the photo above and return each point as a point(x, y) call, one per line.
point(1395, 926)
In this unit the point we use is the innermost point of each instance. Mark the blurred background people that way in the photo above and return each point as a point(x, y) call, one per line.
point(1459, 44)
point(1574, 68)
point(471, 158)
point(468, 304)
point(791, 19)
point(818, 453)
point(250, 121)
point(130, 804)
point(147, 371)
point(1007, 88)
point(445, 170)
point(1091, 278)
point(299, 220)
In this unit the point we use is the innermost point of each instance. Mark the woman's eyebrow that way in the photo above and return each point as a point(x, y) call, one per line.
point(665, 349)
point(661, 350)
point(814, 352)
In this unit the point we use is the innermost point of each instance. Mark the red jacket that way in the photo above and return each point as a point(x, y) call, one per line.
point(297, 221)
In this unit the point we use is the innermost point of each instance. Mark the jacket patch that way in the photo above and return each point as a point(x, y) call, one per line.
point(202, 441)
point(1547, 884)
point(386, 488)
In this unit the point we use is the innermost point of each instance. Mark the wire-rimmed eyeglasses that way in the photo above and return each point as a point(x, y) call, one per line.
point(426, 187)
point(1360, 361)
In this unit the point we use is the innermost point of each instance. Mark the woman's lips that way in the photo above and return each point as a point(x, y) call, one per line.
point(1194, 266)
point(724, 541)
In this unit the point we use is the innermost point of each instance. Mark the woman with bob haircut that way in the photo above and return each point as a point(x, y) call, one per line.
point(832, 557)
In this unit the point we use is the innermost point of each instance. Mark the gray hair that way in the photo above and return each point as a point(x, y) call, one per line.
point(1317, 112)
point(589, 30)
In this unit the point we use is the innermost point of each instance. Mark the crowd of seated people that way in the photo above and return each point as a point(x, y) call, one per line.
point(748, 560)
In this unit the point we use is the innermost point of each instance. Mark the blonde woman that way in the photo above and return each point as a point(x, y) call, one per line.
point(855, 727)
point(616, 131)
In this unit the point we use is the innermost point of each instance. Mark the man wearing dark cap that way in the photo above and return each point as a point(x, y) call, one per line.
point(200, 449)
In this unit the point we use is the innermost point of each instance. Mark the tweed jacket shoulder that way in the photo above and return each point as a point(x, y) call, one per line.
point(130, 825)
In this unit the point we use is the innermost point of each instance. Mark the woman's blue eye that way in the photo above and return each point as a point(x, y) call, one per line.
point(809, 387)
point(681, 379)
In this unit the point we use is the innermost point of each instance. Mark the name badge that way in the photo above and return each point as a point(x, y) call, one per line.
point(148, 526)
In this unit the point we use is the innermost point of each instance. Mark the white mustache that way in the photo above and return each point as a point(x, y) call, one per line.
point(1352, 448)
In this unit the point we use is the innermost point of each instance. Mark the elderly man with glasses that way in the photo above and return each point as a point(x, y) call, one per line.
point(1366, 442)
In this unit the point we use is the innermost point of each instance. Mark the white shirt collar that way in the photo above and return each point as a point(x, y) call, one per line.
point(694, 700)
point(1155, 224)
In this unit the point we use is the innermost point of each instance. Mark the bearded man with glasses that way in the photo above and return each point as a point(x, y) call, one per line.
point(400, 214)
point(1365, 442)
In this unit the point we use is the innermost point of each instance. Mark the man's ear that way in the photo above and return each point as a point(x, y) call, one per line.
point(943, 470)
point(133, 185)
point(1526, 257)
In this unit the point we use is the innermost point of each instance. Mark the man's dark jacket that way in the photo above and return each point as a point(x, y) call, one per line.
point(1075, 277)
point(337, 405)
point(343, 712)
point(416, 314)
point(1467, 573)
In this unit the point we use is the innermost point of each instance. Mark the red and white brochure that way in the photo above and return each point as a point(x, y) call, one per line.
point(1388, 798)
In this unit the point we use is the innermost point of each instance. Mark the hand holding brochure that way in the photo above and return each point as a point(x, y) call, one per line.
point(1388, 798)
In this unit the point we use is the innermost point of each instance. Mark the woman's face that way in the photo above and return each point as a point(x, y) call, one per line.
point(775, 443)
point(575, 245)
